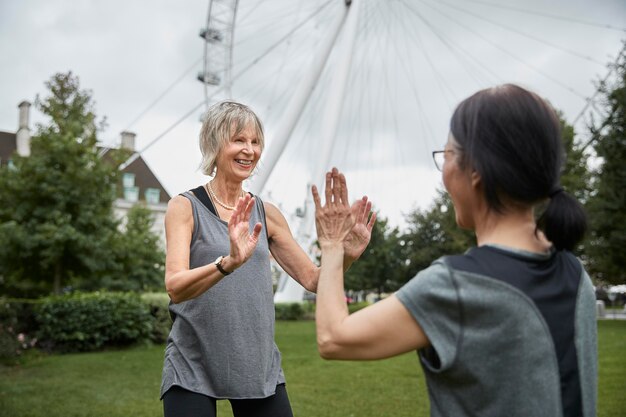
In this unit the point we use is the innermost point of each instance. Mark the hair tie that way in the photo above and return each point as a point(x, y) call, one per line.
point(555, 191)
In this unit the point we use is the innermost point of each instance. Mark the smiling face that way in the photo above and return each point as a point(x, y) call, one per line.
point(239, 156)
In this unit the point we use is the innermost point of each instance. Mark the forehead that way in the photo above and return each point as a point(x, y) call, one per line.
point(247, 130)
point(451, 142)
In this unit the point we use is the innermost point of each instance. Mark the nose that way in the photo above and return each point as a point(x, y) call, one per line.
point(248, 147)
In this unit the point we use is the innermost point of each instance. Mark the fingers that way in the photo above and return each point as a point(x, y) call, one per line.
point(343, 190)
point(370, 224)
point(336, 189)
point(256, 231)
point(243, 210)
point(361, 210)
point(316, 198)
point(328, 189)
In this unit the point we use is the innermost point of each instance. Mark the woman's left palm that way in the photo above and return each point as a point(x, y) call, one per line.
point(361, 233)
point(242, 242)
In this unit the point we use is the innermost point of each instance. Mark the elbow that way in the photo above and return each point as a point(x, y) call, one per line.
point(173, 296)
point(327, 348)
point(173, 292)
point(311, 283)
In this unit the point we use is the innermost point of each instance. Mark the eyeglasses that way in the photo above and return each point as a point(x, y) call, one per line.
point(439, 158)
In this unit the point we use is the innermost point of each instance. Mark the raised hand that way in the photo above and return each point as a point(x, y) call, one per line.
point(242, 242)
point(333, 220)
point(361, 233)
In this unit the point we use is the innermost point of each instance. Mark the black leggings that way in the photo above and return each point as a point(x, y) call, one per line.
point(179, 402)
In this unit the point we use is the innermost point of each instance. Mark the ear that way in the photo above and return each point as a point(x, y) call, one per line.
point(476, 179)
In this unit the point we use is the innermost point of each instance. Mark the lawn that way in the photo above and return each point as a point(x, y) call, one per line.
point(126, 382)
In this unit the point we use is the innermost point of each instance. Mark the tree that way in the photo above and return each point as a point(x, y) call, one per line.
point(381, 266)
point(140, 260)
point(56, 220)
point(607, 205)
point(434, 233)
point(575, 177)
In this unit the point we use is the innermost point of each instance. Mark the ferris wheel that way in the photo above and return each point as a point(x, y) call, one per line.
point(368, 85)
point(218, 34)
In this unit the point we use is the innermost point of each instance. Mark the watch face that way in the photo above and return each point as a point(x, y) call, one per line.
point(218, 260)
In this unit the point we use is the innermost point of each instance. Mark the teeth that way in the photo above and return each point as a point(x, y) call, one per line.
point(243, 162)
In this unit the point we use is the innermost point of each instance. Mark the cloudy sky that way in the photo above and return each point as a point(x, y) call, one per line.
point(414, 60)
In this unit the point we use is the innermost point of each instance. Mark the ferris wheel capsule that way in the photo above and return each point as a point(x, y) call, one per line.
point(218, 34)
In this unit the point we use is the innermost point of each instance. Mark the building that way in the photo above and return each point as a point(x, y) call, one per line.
point(138, 181)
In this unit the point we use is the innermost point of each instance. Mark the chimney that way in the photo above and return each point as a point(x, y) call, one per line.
point(23, 131)
point(128, 140)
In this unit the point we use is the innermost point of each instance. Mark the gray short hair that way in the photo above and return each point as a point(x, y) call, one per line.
point(222, 121)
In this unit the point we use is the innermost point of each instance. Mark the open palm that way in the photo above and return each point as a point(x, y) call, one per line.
point(361, 233)
point(242, 242)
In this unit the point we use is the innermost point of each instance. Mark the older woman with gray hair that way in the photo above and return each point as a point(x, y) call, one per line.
point(219, 240)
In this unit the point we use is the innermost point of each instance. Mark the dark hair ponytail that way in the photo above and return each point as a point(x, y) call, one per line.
point(512, 138)
point(564, 221)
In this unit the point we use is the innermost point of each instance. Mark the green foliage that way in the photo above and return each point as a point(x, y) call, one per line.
point(16, 329)
point(434, 233)
point(381, 266)
point(607, 206)
point(158, 303)
point(289, 311)
point(57, 227)
point(56, 220)
point(86, 322)
point(575, 177)
point(139, 260)
point(354, 307)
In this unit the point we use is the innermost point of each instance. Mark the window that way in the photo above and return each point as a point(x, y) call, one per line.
point(152, 195)
point(131, 194)
point(128, 180)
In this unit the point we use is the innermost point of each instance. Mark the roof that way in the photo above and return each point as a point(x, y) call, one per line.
point(144, 177)
point(8, 145)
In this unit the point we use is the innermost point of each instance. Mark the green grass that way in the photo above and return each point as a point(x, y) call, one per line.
point(612, 368)
point(126, 382)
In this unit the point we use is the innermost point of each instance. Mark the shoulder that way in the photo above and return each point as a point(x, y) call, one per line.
point(273, 214)
point(425, 283)
point(179, 203)
point(178, 209)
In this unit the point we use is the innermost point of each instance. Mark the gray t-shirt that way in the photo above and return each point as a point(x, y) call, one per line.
point(511, 333)
point(222, 342)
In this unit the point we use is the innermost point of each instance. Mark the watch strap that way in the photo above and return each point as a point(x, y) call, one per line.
point(218, 265)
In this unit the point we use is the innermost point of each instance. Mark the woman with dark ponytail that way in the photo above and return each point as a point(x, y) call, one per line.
point(509, 327)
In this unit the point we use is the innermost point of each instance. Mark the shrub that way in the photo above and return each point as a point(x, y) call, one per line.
point(17, 327)
point(89, 321)
point(357, 306)
point(289, 311)
point(158, 303)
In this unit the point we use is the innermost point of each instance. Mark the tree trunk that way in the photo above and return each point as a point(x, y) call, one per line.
point(57, 278)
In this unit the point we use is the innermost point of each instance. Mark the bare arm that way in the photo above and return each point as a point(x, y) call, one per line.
point(379, 331)
point(294, 260)
point(183, 283)
point(287, 252)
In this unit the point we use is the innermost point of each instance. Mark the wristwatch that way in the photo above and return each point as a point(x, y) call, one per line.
point(218, 265)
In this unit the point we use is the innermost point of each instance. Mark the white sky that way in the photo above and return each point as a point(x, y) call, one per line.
point(414, 61)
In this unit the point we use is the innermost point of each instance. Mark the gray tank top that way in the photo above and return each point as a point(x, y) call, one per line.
point(222, 342)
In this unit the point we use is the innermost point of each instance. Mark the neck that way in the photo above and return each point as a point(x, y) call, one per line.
point(227, 191)
point(513, 228)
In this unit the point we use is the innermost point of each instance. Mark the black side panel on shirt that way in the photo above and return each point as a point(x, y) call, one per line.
point(202, 195)
point(552, 283)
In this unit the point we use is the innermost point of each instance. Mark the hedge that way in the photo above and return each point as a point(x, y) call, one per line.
point(158, 303)
point(88, 321)
point(82, 322)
